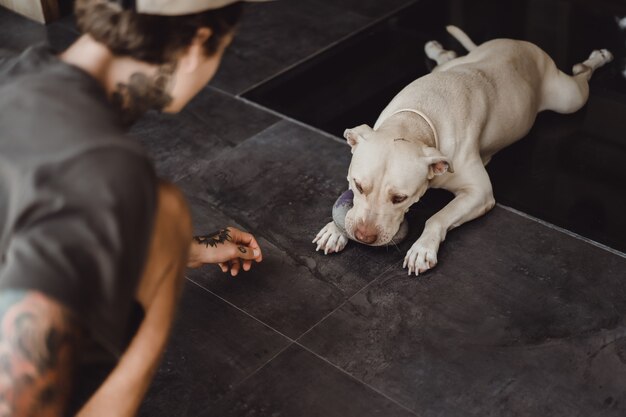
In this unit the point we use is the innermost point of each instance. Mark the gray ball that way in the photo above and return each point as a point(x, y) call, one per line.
point(344, 204)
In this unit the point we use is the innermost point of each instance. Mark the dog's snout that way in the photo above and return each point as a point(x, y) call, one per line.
point(366, 234)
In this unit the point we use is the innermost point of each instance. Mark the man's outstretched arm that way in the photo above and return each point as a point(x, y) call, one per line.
point(38, 339)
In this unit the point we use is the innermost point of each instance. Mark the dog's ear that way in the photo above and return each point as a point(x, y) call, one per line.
point(438, 165)
point(356, 134)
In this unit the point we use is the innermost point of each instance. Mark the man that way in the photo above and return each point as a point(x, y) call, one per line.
point(92, 245)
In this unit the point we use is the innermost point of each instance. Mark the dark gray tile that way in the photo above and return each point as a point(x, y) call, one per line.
point(278, 291)
point(276, 35)
point(213, 348)
point(213, 123)
point(18, 33)
point(297, 383)
point(369, 8)
point(177, 141)
point(228, 117)
point(283, 183)
point(350, 83)
point(517, 320)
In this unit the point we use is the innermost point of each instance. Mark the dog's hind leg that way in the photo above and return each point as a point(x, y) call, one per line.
point(564, 93)
point(435, 51)
point(597, 59)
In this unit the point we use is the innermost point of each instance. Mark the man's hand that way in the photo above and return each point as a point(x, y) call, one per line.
point(227, 248)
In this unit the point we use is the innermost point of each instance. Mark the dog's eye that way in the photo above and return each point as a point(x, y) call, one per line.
point(397, 199)
point(358, 187)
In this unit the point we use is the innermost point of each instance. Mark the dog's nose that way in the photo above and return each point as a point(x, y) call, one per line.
point(364, 235)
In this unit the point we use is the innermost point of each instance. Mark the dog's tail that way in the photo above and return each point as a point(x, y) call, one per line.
point(461, 36)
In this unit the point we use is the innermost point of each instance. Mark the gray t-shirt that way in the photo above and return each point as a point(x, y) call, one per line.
point(77, 197)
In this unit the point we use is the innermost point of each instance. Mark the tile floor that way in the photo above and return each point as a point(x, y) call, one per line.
point(518, 319)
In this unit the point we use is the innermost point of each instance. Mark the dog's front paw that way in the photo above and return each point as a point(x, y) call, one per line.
point(421, 257)
point(330, 239)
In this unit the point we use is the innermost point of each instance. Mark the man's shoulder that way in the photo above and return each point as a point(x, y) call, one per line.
point(50, 110)
point(119, 163)
point(38, 80)
point(14, 63)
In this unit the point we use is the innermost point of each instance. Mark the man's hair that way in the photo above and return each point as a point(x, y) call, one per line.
point(150, 38)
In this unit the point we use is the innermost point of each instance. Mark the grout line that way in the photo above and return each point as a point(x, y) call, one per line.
point(564, 231)
point(367, 26)
point(219, 90)
point(344, 303)
point(257, 370)
point(358, 380)
point(280, 351)
point(273, 112)
point(266, 234)
point(292, 342)
point(291, 119)
point(240, 309)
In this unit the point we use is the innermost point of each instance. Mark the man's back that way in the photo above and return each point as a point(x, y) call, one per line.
point(76, 196)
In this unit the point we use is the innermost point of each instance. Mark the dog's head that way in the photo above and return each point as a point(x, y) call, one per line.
point(387, 175)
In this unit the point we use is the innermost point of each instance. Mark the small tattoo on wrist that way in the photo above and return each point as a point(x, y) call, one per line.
point(242, 249)
point(213, 239)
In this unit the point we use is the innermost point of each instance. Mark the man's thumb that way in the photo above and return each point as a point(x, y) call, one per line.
point(246, 253)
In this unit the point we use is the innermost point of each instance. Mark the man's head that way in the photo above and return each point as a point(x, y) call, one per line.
point(387, 175)
point(185, 50)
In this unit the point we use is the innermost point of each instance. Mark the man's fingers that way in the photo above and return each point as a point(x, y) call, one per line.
point(239, 237)
point(234, 267)
point(223, 266)
point(247, 264)
point(245, 252)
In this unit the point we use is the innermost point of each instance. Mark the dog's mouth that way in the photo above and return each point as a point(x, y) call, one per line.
point(383, 237)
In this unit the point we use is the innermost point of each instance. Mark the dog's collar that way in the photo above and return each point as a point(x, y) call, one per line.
point(423, 116)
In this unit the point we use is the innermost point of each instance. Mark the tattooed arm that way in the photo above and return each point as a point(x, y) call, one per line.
point(37, 342)
point(227, 248)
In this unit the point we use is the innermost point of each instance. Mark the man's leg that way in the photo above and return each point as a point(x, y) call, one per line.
point(122, 392)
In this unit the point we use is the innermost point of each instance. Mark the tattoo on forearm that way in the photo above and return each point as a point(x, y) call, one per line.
point(143, 93)
point(213, 239)
point(37, 340)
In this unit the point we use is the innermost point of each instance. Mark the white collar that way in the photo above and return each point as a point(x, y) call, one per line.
point(423, 116)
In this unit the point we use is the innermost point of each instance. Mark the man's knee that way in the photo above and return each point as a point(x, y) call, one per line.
point(169, 247)
point(173, 214)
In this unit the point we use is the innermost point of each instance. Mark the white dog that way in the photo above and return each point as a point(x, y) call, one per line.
point(441, 130)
